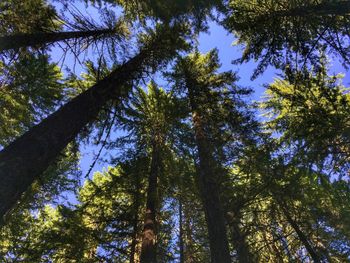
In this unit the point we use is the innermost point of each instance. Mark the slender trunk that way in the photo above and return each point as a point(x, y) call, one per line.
point(149, 246)
point(40, 39)
point(181, 238)
point(315, 257)
point(135, 220)
point(27, 157)
point(134, 238)
point(208, 187)
point(239, 240)
point(189, 253)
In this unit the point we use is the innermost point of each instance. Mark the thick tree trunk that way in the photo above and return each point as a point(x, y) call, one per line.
point(40, 39)
point(149, 246)
point(208, 186)
point(181, 235)
point(27, 157)
point(312, 252)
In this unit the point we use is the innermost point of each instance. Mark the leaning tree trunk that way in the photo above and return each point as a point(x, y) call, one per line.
point(149, 246)
point(16, 41)
point(27, 158)
point(208, 186)
point(312, 252)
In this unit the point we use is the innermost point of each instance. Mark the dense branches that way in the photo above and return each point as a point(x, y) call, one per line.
point(191, 172)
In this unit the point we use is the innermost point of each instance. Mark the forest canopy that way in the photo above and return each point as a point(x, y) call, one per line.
point(122, 139)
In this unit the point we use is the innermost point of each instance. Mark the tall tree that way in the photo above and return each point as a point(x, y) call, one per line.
point(149, 118)
point(42, 39)
point(197, 74)
point(21, 29)
point(27, 157)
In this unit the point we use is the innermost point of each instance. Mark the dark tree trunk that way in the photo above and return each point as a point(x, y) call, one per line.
point(27, 157)
point(40, 39)
point(149, 246)
point(239, 239)
point(181, 235)
point(314, 255)
point(208, 185)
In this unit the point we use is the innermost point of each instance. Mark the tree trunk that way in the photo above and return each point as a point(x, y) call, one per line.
point(149, 246)
point(239, 239)
point(208, 186)
point(181, 236)
point(315, 257)
point(40, 39)
point(27, 157)
point(137, 197)
point(189, 252)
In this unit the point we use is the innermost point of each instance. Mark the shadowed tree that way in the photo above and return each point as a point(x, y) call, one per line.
point(28, 156)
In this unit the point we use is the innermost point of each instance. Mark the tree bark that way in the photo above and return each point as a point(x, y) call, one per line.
point(208, 185)
point(149, 246)
point(40, 39)
point(26, 158)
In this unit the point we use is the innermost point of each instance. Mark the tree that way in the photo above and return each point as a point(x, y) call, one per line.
point(195, 12)
point(149, 118)
point(310, 110)
point(56, 131)
point(19, 31)
point(197, 74)
point(289, 33)
point(194, 176)
point(18, 41)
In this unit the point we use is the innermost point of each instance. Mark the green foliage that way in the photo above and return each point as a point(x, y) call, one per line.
point(282, 33)
point(31, 88)
point(284, 183)
point(149, 116)
point(27, 17)
point(166, 11)
point(312, 114)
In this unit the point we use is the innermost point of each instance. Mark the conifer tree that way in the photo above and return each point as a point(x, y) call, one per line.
point(34, 150)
